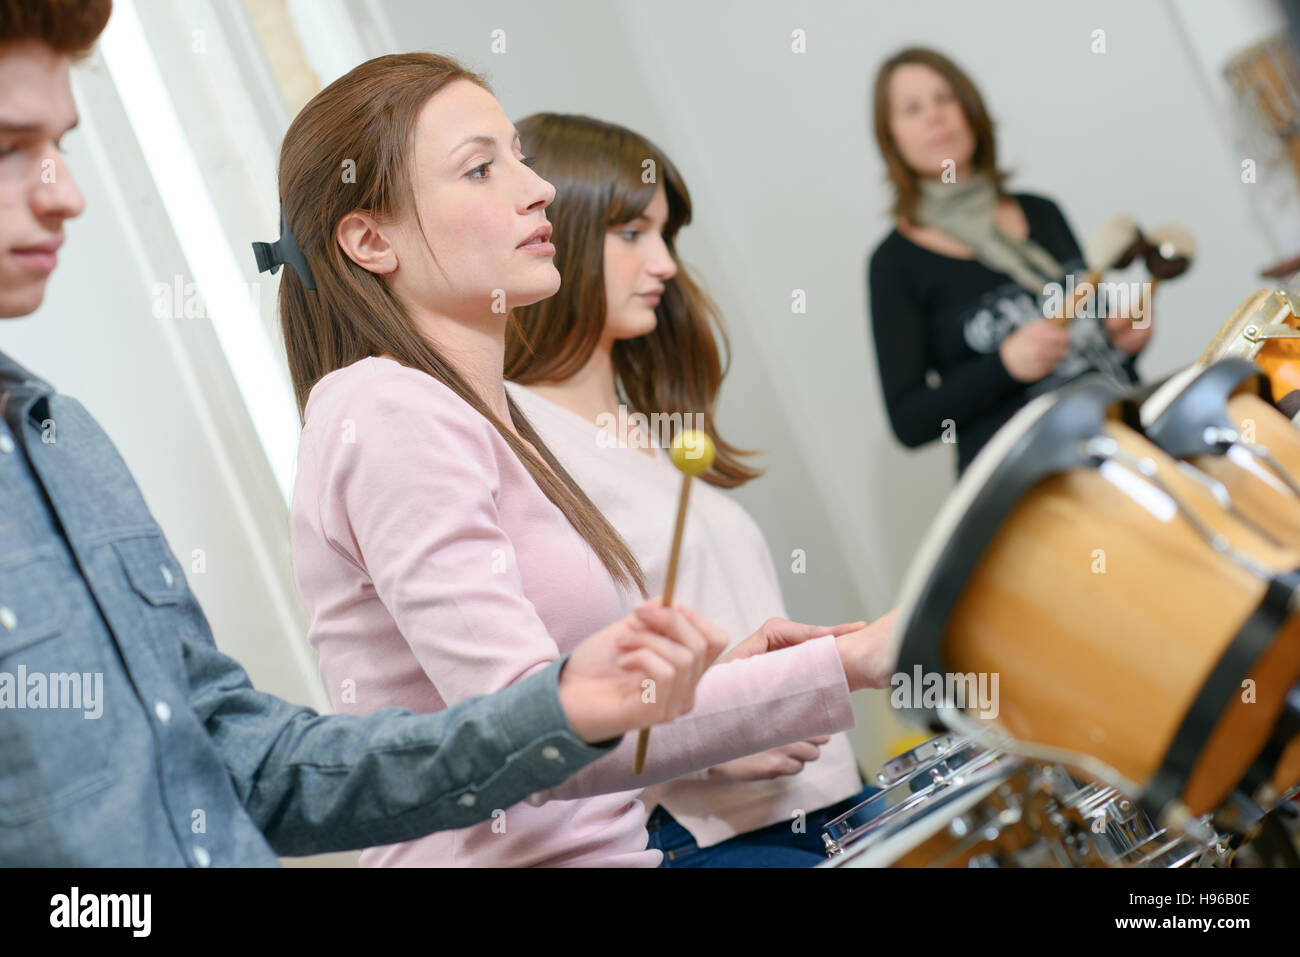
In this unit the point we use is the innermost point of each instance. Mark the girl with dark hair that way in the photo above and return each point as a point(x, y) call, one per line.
point(957, 289)
point(632, 339)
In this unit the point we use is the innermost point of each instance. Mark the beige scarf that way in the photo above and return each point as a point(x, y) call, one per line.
point(965, 212)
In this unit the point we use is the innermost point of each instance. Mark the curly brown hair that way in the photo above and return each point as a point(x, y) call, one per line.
point(69, 26)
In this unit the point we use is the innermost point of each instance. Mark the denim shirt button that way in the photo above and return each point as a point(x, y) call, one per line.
point(551, 753)
point(467, 800)
point(6, 444)
point(168, 578)
point(163, 710)
point(7, 618)
point(202, 857)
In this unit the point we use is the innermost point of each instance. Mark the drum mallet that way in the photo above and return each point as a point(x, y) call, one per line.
point(1169, 252)
point(693, 453)
point(1115, 244)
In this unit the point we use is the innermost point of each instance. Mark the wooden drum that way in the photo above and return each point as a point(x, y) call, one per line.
point(1120, 604)
point(1219, 419)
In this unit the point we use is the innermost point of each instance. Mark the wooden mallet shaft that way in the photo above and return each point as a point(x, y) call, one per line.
point(690, 466)
point(643, 737)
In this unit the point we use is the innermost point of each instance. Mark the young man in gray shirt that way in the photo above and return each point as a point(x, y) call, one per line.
point(95, 611)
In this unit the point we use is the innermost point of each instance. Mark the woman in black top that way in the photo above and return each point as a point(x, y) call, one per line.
point(958, 288)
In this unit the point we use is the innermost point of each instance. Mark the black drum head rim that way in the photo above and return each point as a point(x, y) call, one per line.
point(1176, 415)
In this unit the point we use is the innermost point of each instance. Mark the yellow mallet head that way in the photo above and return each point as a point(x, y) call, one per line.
point(692, 452)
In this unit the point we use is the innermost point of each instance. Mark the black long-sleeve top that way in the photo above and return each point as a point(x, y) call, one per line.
point(938, 322)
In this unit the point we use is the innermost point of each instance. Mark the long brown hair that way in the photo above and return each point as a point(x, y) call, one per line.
point(907, 192)
point(599, 171)
point(364, 123)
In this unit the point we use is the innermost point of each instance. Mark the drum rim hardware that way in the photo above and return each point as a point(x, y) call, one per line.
point(989, 800)
point(1259, 319)
point(1190, 417)
point(1105, 449)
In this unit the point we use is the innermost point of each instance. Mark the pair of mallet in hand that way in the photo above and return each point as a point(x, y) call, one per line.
point(1167, 251)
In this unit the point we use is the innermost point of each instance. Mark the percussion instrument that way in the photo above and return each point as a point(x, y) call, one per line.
point(1266, 79)
point(1219, 420)
point(1118, 601)
point(1115, 244)
point(1168, 253)
point(906, 782)
point(977, 807)
point(1265, 330)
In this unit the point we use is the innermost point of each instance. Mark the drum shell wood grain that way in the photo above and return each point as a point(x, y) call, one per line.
point(1265, 501)
point(1103, 623)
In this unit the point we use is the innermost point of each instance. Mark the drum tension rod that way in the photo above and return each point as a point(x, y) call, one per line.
point(1104, 448)
point(1275, 330)
point(1226, 438)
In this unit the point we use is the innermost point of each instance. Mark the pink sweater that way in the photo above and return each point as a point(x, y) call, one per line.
point(435, 569)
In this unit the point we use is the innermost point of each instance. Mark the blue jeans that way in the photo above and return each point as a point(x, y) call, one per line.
point(777, 845)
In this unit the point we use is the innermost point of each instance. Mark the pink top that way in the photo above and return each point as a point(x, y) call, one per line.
point(724, 572)
point(434, 568)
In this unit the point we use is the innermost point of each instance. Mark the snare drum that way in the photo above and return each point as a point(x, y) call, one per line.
point(935, 831)
point(1118, 601)
point(907, 782)
point(1005, 812)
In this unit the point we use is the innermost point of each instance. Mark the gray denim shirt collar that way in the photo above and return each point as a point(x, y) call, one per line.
point(19, 391)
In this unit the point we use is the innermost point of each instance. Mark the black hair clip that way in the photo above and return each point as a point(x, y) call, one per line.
point(284, 251)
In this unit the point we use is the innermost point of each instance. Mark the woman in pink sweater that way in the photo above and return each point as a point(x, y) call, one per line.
point(440, 548)
point(630, 342)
